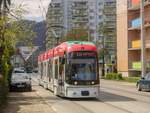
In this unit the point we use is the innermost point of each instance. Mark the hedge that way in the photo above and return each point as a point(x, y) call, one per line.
point(114, 76)
point(118, 76)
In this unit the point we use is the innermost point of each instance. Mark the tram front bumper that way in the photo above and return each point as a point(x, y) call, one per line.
point(82, 92)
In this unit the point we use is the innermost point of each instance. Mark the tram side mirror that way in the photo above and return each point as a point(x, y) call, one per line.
point(143, 78)
point(60, 82)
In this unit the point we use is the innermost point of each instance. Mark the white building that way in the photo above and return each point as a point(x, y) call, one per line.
point(64, 15)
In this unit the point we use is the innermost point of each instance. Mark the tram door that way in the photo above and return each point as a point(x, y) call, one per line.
point(61, 77)
point(50, 75)
point(55, 76)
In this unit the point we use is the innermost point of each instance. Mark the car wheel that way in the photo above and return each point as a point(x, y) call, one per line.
point(30, 88)
point(10, 88)
point(139, 88)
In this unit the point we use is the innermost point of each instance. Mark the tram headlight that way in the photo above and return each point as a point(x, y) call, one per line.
point(93, 82)
point(75, 83)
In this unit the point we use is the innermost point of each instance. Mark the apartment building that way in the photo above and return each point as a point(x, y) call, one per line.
point(65, 15)
point(129, 36)
point(108, 14)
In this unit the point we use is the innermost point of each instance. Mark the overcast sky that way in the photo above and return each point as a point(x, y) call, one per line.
point(37, 10)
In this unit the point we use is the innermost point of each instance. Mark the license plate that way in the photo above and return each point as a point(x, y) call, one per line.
point(20, 86)
point(85, 93)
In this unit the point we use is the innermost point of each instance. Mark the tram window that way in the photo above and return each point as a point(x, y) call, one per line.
point(56, 69)
point(49, 70)
point(68, 71)
point(41, 70)
point(45, 69)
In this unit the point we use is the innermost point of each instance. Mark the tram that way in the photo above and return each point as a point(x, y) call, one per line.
point(70, 70)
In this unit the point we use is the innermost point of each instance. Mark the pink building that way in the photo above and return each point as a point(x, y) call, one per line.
point(128, 36)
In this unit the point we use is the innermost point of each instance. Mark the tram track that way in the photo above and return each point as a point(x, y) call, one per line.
point(79, 103)
point(61, 99)
point(122, 109)
point(124, 89)
point(103, 102)
point(131, 93)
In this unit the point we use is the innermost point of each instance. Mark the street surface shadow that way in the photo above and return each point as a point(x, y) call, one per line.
point(110, 97)
point(103, 97)
point(21, 90)
point(80, 99)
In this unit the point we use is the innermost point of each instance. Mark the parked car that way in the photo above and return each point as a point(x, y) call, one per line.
point(35, 70)
point(29, 69)
point(144, 83)
point(20, 79)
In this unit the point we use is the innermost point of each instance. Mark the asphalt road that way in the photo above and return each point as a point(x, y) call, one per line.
point(115, 97)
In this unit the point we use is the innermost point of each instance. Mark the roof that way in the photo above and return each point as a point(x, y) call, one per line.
point(67, 47)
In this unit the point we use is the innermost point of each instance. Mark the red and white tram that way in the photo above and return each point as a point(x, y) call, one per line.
point(70, 70)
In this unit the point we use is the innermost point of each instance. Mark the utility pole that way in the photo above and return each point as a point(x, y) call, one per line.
point(143, 62)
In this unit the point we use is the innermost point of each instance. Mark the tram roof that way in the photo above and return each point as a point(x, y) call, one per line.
point(68, 46)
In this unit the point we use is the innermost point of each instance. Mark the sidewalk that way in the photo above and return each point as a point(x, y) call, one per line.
point(27, 102)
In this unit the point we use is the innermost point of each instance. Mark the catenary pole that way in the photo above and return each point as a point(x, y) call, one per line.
point(143, 62)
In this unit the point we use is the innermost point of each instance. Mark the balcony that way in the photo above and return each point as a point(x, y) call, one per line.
point(80, 6)
point(55, 24)
point(79, 14)
point(147, 23)
point(136, 66)
point(136, 45)
point(109, 11)
point(82, 20)
point(135, 4)
point(110, 19)
point(135, 24)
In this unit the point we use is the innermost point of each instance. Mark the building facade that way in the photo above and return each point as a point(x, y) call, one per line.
point(65, 15)
point(108, 26)
point(129, 36)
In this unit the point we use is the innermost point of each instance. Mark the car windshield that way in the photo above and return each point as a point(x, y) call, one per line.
point(19, 71)
point(83, 69)
point(147, 76)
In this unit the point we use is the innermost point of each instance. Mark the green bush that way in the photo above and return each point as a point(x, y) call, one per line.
point(114, 76)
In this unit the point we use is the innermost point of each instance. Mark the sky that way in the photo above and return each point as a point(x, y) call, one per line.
point(36, 8)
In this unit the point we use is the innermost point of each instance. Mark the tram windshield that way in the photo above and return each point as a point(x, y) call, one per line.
point(81, 66)
point(83, 69)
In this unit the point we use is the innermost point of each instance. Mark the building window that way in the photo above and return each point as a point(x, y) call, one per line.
point(91, 10)
point(100, 16)
point(91, 17)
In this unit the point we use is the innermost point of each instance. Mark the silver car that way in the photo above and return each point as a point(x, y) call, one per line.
point(20, 80)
